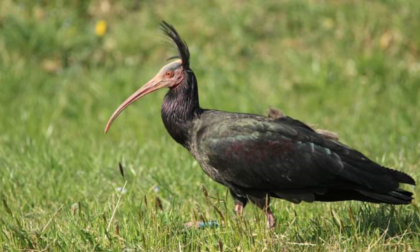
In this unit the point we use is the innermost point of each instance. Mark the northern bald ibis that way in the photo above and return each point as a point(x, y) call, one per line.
point(258, 157)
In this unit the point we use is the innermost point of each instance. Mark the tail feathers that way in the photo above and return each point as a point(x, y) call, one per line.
point(396, 197)
point(401, 177)
point(379, 180)
point(374, 176)
point(359, 165)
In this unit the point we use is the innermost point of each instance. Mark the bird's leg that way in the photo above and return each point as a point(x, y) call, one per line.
point(263, 204)
point(271, 221)
point(239, 207)
point(240, 202)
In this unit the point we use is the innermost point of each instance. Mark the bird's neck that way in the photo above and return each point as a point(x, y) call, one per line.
point(179, 109)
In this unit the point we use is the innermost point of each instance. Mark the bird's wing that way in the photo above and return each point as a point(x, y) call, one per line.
point(258, 153)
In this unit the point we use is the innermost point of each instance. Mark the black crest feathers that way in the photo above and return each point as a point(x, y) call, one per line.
point(184, 53)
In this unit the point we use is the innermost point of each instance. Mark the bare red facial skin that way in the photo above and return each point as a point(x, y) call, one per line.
point(180, 76)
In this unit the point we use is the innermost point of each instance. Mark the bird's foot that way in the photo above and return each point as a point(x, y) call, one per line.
point(271, 221)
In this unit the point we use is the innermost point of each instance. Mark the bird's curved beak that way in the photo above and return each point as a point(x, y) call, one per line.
point(153, 85)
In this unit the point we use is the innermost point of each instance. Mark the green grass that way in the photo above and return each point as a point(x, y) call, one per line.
point(349, 66)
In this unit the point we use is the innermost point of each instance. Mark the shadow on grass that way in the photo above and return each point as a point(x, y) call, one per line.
point(365, 222)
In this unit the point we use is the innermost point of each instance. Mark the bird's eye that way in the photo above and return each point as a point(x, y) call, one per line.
point(169, 74)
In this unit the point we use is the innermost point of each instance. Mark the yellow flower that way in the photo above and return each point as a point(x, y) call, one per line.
point(100, 28)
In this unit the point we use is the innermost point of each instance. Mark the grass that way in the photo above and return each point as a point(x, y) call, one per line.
point(348, 66)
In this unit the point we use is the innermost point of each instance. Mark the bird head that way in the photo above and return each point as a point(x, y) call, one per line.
point(170, 76)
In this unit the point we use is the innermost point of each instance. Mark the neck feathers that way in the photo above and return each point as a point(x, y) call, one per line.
point(180, 107)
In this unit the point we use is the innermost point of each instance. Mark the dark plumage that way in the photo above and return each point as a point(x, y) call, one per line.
point(184, 53)
point(259, 157)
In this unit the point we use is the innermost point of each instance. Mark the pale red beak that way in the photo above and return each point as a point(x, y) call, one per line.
point(153, 85)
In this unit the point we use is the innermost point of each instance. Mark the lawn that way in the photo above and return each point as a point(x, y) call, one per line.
point(352, 67)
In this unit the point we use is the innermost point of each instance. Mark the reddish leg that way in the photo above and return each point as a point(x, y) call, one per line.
point(263, 204)
point(271, 221)
point(240, 202)
point(239, 207)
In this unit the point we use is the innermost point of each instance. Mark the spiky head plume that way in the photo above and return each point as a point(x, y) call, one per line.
point(184, 53)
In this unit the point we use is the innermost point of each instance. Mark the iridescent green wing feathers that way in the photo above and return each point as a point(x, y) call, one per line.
point(260, 154)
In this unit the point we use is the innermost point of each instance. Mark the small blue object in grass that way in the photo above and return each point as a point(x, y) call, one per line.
point(208, 224)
